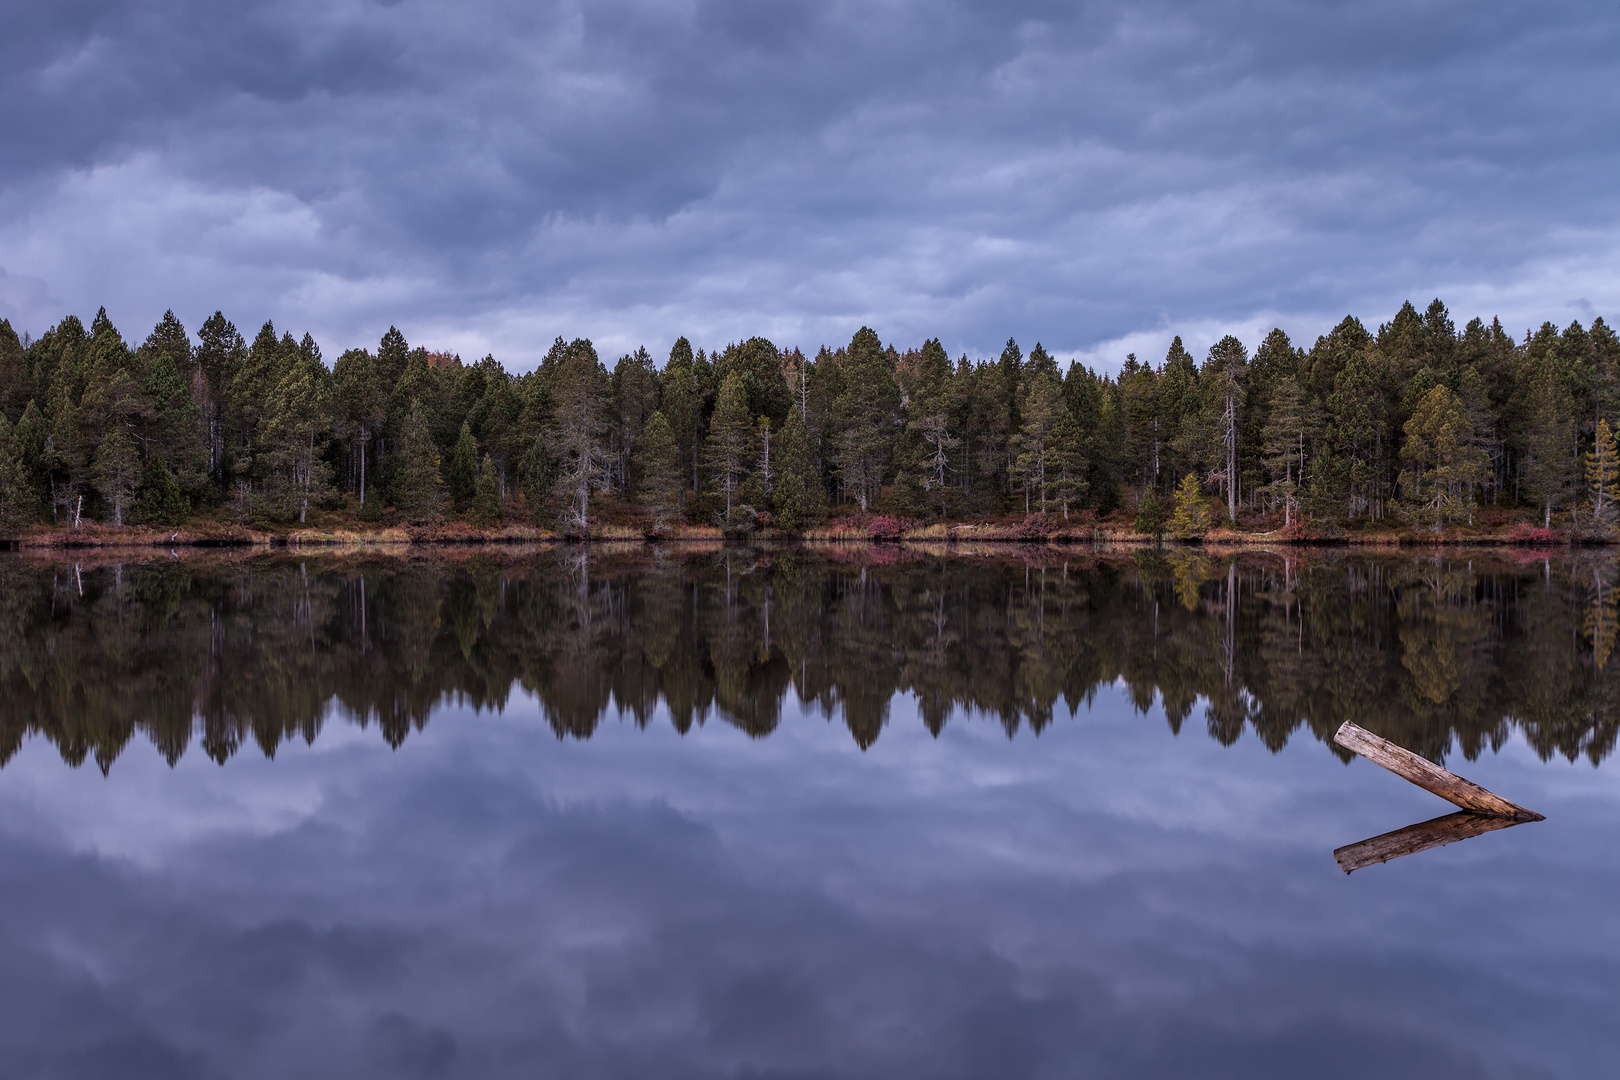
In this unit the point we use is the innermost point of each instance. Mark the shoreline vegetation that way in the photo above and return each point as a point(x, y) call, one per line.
point(877, 529)
point(1416, 434)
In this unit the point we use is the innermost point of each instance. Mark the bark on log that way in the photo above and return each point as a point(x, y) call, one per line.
point(1429, 776)
point(1415, 838)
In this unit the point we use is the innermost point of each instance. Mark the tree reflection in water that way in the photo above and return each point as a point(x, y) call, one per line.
point(1431, 650)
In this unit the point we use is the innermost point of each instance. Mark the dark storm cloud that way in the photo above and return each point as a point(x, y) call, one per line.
point(489, 175)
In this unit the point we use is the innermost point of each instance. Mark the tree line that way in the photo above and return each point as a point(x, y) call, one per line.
point(1417, 422)
point(222, 652)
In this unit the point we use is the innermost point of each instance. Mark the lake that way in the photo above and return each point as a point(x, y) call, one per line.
point(862, 811)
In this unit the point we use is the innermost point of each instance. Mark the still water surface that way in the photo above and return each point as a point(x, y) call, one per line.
point(858, 812)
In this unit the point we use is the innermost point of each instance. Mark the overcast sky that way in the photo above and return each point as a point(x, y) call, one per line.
point(1095, 176)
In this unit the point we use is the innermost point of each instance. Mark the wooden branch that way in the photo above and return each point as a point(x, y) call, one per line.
point(1429, 776)
point(1415, 838)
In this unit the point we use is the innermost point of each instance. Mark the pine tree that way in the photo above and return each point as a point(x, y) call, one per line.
point(1603, 476)
point(730, 440)
point(117, 471)
point(1442, 464)
point(418, 487)
point(1285, 444)
point(1228, 363)
point(658, 462)
point(1549, 440)
point(16, 500)
point(484, 508)
point(866, 412)
point(1042, 408)
point(297, 417)
point(576, 432)
point(1190, 521)
point(800, 498)
point(1149, 519)
point(158, 499)
point(461, 478)
point(683, 409)
point(935, 398)
point(1066, 476)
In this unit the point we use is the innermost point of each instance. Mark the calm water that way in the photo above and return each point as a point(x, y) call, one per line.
point(854, 812)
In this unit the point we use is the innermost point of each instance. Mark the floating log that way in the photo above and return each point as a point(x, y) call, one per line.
point(1415, 838)
point(1429, 776)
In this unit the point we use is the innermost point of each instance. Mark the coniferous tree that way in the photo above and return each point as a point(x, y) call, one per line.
point(292, 431)
point(683, 409)
point(1442, 464)
point(1149, 519)
point(461, 477)
point(1041, 410)
point(866, 413)
point(1228, 364)
point(800, 498)
point(16, 501)
point(730, 440)
point(117, 471)
point(935, 398)
point(1069, 467)
point(1549, 441)
point(1190, 520)
point(484, 508)
point(576, 432)
point(1603, 476)
point(418, 486)
point(158, 499)
point(659, 464)
point(1285, 444)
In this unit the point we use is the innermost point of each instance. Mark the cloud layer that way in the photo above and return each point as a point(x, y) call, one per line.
point(490, 175)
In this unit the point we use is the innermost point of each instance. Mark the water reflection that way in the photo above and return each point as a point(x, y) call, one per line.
point(1431, 650)
point(1424, 836)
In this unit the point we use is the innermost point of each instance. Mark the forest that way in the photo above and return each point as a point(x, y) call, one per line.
point(232, 650)
point(1417, 425)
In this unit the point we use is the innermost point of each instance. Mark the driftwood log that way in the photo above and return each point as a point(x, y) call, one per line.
point(1415, 838)
point(1429, 776)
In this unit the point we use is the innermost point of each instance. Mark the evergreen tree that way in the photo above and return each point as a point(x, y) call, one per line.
point(658, 462)
point(158, 498)
point(1149, 519)
point(1442, 463)
point(1549, 441)
point(1603, 476)
point(800, 499)
point(117, 471)
point(1042, 409)
point(1228, 366)
point(16, 500)
point(576, 432)
point(1285, 444)
point(730, 440)
point(296, 419)
point(866, 413)
point(418, 487)
point(1066, 476)
point(1190, 520)
point(633, 396)
point(484, 509)
point(461, 478)
point(934, 401)
point(683, 409)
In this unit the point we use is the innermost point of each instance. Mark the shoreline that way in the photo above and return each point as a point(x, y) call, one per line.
point(843, 530)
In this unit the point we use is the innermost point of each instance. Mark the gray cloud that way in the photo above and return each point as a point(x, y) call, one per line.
point(1093, 175)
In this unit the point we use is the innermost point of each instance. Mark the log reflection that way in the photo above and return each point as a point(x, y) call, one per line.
point(1420, 837)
